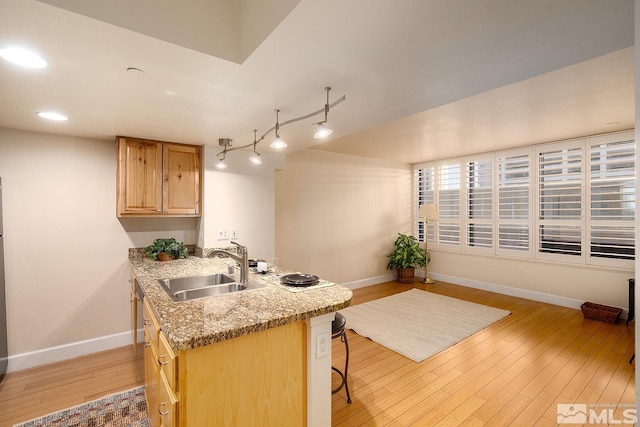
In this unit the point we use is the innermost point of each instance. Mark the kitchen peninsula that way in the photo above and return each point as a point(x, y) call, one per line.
point(242, 358)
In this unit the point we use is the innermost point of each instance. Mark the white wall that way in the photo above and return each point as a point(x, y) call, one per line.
point(65, 250)
point(241, 197)
point(338, 215)
point(562, 284)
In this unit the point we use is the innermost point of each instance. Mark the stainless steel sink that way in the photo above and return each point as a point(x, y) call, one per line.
point(195, 282)
point(195, 287)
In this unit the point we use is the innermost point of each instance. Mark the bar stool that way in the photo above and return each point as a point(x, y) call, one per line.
point(338, 331)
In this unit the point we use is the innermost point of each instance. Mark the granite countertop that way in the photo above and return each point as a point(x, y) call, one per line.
point(196, 323)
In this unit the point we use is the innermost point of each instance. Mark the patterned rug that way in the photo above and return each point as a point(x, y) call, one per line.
point(124, 409)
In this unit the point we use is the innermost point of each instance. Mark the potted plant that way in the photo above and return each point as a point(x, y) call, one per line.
point(166, 249)
point(406, 256)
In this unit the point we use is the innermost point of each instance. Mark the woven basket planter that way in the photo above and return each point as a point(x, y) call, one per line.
point(405, 275)
point(601, 312)
point(163, 256)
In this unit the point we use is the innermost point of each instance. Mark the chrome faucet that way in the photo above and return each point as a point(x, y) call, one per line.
point(242, 259)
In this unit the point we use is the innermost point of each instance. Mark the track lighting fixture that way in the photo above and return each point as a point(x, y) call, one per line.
point(321, 131)
point(221, 164)
point(226, 143)
point(255, 158)
point(278, 143)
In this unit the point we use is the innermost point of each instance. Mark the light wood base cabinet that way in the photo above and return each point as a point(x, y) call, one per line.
point(151, 367)
point(255, 379)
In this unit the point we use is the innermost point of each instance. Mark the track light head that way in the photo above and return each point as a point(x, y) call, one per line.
point(322, 131)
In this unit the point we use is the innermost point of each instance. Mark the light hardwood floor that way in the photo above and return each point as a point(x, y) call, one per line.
point(512, 373)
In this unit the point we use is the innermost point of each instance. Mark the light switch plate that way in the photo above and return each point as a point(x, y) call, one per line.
point(223, 234)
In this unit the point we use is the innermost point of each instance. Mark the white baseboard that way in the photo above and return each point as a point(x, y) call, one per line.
point(506, 290)
point(516, 292)
point(32, 359)
point(370, 281)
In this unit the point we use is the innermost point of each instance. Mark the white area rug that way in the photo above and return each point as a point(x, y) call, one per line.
point(419, 324)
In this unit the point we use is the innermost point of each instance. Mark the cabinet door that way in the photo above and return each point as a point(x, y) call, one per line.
point(139, 185)
point(167, 361)
point(151, 375)
point(167, 403)
point(181, 189)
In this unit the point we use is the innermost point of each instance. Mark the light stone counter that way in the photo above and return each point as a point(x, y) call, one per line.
point(191, 324)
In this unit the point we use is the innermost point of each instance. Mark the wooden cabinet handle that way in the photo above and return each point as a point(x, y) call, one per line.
point(147, 344)
point(162, 357)
point(146, 322)
point(160, 409)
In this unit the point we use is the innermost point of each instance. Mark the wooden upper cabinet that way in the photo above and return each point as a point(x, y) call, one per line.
point(181, 189)
point(157, 178)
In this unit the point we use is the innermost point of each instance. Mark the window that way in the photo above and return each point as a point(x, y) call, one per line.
point(571, 201)
point(514, 222)
point(560, 201)
point(425, 189)
point(479, 224)
point(612, 200)
point(448, 204)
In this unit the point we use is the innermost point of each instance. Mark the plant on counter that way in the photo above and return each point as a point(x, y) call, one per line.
point(406, 256)
point(164, 249)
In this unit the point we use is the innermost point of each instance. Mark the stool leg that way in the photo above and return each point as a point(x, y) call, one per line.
point(346, 365)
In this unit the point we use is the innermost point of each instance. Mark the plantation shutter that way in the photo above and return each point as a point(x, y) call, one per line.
point(612, 201)
point(560, 198)
point(426, 195)
point(449, 205)
point(479, 186)
point(514, 221)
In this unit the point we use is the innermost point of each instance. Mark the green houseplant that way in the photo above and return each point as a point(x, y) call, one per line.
point(406, 256)
point(166, 249)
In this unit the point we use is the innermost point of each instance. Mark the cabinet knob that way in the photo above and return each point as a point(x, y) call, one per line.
point(147, 344)
point(160, 409)
point(163, 357)
point(146, 322)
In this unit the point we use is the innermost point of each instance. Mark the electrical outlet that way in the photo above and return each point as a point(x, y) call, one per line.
point(234, 233)
point(223, 234)
point(522, 271)
point(322, 345)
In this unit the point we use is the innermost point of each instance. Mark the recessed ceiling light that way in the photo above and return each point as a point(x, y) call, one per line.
point(50, 115)
point(23, 57)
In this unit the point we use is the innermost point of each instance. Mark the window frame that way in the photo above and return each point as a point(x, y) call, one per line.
point(539, 222)
point(584, 222)
point(590, 221)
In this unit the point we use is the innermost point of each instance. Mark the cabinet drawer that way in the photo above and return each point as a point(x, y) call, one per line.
point(167, 361)
point(151, 327)
point(167, 404)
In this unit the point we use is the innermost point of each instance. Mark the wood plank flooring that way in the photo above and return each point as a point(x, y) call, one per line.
point(34, 392)
point(512, 373)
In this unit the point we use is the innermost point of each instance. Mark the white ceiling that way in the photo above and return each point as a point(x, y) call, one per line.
point(423, 79)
